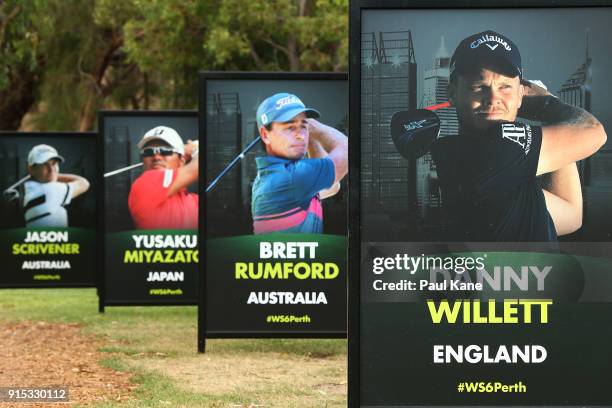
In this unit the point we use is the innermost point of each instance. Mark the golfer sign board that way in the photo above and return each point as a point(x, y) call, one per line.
point(149, 211)
point(267, 273)
point(48, 207)
point(475, 285)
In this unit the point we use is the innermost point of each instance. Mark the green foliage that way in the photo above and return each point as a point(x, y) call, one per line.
point(78, 56)
point(18, 39)
point(83, 63)
point(325, 37)
point(20, 60)
point(280, 35)
point(164, 41)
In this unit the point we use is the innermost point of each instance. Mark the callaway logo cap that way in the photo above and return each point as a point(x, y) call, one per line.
point(42, 153)
point(282, 107)
point(165, 134)
point(487, 47)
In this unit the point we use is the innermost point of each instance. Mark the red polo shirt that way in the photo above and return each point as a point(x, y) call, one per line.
point(152, 208)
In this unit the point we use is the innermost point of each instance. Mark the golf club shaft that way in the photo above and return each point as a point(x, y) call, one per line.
point(233, 163)
point(21, 181)
point(121, 170)
point(238, 158)
point(438, 106)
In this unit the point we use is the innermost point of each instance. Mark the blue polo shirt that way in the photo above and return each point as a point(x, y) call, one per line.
point(286, 194)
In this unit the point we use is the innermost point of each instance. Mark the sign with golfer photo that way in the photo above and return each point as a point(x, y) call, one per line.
point(481, 217)
point(275, 211)
point(48, 207)
point(149, 214)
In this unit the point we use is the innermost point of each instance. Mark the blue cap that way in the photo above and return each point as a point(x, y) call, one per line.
point(487, 47)
point(282, 107)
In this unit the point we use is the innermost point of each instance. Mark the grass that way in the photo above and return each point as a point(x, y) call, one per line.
point(158, 345)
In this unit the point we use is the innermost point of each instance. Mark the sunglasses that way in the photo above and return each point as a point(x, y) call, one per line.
point(152, 151)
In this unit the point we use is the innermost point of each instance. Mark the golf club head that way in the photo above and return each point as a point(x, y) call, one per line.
point(414, 131)
point(10, 194)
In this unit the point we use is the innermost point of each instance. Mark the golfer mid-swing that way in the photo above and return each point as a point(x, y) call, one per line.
point(159, 198)
point(489, 172)
point(289, 187)
point(49, 191)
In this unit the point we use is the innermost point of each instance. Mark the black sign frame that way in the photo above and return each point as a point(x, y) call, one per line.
point(103, 300)
point(355, 75)
point(88, 283)
point(204, 76)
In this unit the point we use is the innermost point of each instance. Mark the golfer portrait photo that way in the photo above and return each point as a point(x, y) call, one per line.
point(304, 163)
point(158, 198)
point(510, 174)
point(48, 192)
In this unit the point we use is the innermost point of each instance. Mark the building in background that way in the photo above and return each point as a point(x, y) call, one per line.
point(249, 165)
point(223, 142)
point(576, 91)
point(388, 85)
point(596, 171)
point(435, 84)
point(117, 148)
point(12, 168)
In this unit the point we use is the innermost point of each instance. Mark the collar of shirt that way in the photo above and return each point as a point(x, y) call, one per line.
point(267, 161)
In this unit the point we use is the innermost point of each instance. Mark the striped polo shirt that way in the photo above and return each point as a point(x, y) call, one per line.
point(44, 203)
point(286, 194)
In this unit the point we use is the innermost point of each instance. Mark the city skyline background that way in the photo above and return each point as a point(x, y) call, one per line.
point(551, 41)
point(404, 65)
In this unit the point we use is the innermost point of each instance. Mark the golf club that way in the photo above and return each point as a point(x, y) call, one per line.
point(121, 170)
point(233, 163)
point(133, 166)
point(437, 106)
point(11, 193)
point(414, 131)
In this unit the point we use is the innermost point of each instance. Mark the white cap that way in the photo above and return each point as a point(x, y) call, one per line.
point(42, 153)
point(166, 134)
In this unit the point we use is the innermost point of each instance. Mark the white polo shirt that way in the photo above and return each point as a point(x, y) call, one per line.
point(44, 203)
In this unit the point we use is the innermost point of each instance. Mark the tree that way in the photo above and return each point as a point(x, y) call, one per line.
point(304, 35)
point(62, 60)
point(165, 42)
point(20, 63)
point(85, 62)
